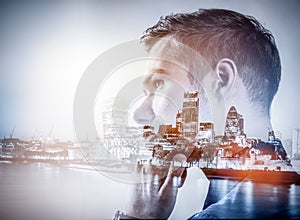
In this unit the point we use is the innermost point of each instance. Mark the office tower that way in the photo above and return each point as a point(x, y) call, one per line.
point(190, 115)
point(234, 126)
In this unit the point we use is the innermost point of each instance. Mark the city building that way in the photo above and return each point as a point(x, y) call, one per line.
point(190, 112)
point(296, 144)
point(148, 131)
point(115, 118)
point(120, 140)
point(179, 121)
point(234, 126)
point(206, 133)
point(169, 133)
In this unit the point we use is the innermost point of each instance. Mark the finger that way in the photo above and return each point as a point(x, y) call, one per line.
point(174, 179)
point(179, 175)
point(182, 178)
point(176, 171)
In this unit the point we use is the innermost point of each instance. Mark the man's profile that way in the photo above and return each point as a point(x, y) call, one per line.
point(246, 69)
point(238, 48)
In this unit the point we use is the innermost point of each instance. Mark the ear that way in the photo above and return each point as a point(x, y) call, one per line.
point(226, 74)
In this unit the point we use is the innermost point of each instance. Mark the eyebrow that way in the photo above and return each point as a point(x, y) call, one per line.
point(159, 71)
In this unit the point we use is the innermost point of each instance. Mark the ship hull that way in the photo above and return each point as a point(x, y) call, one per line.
point(273, 177)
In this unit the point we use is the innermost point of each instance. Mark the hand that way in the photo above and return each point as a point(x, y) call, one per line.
point(155, 195)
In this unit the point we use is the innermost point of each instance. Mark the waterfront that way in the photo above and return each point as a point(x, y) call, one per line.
point(43, 191)
point(254, 200)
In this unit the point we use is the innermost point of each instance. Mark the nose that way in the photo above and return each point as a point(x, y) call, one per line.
point(144, 114)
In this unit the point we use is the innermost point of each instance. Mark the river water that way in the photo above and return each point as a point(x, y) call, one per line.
point(44, 191)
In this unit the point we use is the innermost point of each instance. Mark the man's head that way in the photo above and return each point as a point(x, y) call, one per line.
point(222, 34)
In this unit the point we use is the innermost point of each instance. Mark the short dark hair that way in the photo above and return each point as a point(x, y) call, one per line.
point(219, 33)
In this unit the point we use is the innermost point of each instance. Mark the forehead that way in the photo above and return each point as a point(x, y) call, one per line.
point(174, 55)
point(169, 70)
point(161, 66)
point(170, 54)
point(166, 59)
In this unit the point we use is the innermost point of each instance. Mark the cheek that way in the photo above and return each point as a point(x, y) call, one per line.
point(167, 102)
point(163, 104)
point(165, 110)
point(173, 92)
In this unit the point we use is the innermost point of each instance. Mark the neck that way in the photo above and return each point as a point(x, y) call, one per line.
point(257, 120)
point(256, 123)
point(257, 127)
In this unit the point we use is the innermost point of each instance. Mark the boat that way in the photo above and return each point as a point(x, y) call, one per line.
point(263, 176)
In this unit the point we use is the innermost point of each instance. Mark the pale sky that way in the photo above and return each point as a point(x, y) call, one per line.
point(47, 46)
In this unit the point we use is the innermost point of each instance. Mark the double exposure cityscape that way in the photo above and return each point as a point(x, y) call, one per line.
point(189, 143)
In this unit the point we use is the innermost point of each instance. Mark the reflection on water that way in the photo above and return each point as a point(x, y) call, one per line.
point(253, 200)
point(51, 192)
point(222, 187)
point(41, 191)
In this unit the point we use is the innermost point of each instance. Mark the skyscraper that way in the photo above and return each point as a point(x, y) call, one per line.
point(190, 115)
point(234, 126)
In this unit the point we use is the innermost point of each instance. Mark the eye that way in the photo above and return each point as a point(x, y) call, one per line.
point(158, 83)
